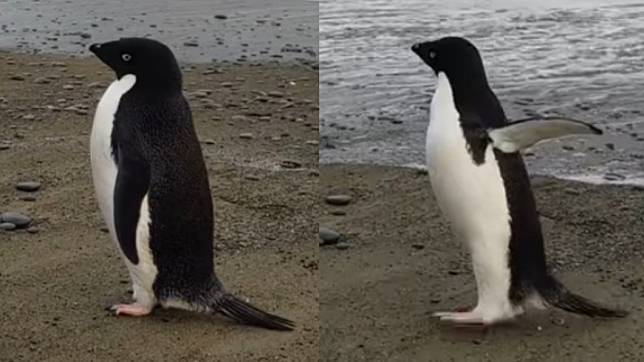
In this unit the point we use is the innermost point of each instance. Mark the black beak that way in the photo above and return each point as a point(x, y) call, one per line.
point(415, 48)
point(94, 47)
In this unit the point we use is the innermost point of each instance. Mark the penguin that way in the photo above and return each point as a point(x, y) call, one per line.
point(481, 185)
point(152, 187)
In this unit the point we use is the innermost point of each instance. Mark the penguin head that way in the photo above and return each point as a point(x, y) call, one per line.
point(152, 62)
point(451, 55)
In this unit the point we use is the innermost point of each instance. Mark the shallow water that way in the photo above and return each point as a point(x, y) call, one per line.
point(583, 59)
point(253, 30)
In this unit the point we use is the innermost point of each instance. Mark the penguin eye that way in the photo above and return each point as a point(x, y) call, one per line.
point(432, 54)
point(126, 57)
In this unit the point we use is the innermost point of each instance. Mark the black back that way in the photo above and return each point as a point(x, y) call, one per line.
point(480, 110)
point(158, 153)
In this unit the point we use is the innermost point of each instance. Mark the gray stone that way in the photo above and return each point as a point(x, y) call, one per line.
point(343, 245)
point(15, 218)
point(338, 200)
point(28, 186)
point(7, 226)
point(290, 164)
point(328, 236)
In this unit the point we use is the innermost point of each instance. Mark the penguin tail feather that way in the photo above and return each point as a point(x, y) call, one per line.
point(245, 313)
point(557, 295)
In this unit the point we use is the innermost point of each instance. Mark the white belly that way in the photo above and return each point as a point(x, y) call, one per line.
point(104, 172)
point(103, 166)
point(473, 198)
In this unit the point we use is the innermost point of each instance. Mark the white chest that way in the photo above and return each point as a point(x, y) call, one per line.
point(103, 167)
point(471, 196)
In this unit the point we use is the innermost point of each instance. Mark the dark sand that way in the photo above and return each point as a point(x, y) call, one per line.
point(55, 283)
point(378, 295)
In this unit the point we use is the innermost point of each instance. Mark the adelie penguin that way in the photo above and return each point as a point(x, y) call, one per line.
point(152, 187)
point(481, 185)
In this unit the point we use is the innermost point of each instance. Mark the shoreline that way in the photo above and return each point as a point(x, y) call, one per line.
point(590, 179)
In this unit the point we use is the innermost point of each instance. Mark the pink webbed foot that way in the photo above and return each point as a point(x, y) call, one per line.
point(133, 310)
point(462, 318)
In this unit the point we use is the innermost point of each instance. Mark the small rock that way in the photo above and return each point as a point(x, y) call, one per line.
point(30, 198)
point(246, 136)
point(290, 164)
point(28, 186)
point(338, 212)
point(252, 177)
point(221, 17)
point(418, 246)
point(17, 77)
point(68, 87)
point(343, 245)
point(571, 191)
point(15, 218)
point(42, 80)
point(7, 226)
point(276, 94)
point(191, 43)
point(610, 146)
point(338, 200)
point(612, 176)
point(328, 236)
point(209, 141)
point(33, 230)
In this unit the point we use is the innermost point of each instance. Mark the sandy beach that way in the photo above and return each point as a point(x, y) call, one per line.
point(259, 131)
point(399, 263)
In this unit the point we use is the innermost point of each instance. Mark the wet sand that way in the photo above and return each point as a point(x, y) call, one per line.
point(55, 283)
point(240, 31)
point(377, 296)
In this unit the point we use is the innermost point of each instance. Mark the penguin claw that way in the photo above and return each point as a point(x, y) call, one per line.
point(133, 310)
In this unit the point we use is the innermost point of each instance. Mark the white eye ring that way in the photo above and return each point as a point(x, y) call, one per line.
point(432, 54)
point(126, 57)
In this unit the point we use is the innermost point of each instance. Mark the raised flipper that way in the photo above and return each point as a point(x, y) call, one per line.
point(524, 133)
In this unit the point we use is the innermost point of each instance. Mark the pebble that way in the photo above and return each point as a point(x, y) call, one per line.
point(252, 177)
point(338, 200)
point(42, 80)
point(246, 136)
point(343, 245)
point(17, 77)
point(290, 164)
point(418, 246)
point(338, 212)
point(30, 198)
point(7, 226)
point(33, 230)
point(28, 186)
point(68, 87)
point(221, 17)
point(209, 141)
point(328, 236)
point(275, 94)
point(15, 218)
point(611, 176)
point(191, 44)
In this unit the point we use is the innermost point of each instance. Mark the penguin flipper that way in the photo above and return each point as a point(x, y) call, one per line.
point(524, 133)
